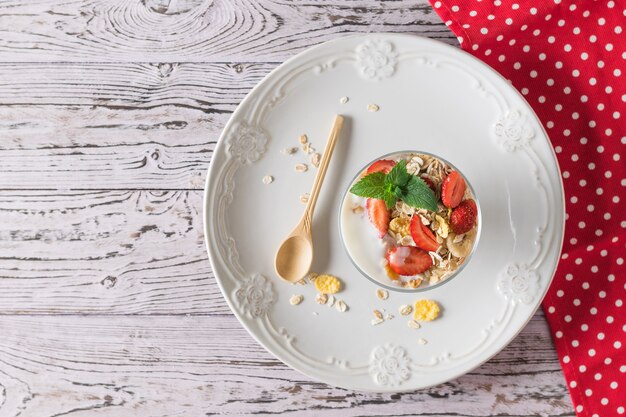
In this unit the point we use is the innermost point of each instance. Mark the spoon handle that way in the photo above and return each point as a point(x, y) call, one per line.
point(321, 171)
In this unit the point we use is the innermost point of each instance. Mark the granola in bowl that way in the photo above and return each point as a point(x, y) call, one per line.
point(409, 221)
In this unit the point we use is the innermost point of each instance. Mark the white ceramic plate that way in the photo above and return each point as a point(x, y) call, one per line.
point(434, 98)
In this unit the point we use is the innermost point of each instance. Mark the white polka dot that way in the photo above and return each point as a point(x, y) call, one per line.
point(484, 31)
point(524, 91)
point(584, 56)
point(512, 42)
point(600, 336)
point(608, 89)
point(616, 115)
point(569, 277)
point(560, 293)
point(579, 408)
point(607, 361)
point(600, 64)
point(620, 410)
point(526, 48)
point(515, 6)
point(567, 47)
point(437, 4)
point(619, 303)
point(572, 384)
point(610, 319)
point(593, 38)
point(579, 261)
point(602, 294)
point(551, 309)
point(622, 369)
point(575, 343)
point(568, 90)
point(533, 74)
point(599, 191)
point(566, 359)
point(603, 252)
point(604, 401)
point(585, 285)
point(559, 65)
point(473, 13)
point(615, 199)
point(576, 302)
point(593, 81)
point(608, 46)
point(559, 334)
point(613, 385)
point(517, 65)
point(583, 327)
point(509, 21)
point(501, 58)
point(617, 72)
point(551, 39)
point(590, 207)
point(617, 344)
point(600, 149)
point(620, 261)
point(455, 8)
point(591, 166)
point(581, 224)
point(597, 376)
point(533, 10)
point(582, 368)
point(617, 29)
point(601, 21)
point(568, 318)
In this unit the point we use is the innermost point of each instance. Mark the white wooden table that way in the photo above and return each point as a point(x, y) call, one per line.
point(109, 112)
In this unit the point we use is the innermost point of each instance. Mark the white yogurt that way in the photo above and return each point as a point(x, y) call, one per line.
point(361, 240)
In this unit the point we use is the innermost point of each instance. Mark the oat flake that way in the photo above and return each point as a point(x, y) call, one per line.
point(344, 100)
point(296, 299)
point(382, 294)
point(373, 108)
point(268, 179)
point(341, 306)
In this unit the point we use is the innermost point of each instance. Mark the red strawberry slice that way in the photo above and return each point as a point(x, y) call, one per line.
point(463, 217)
point(382, 165)
point(408, 260)
point(422, 235)
point(452, 189)
point(378, 214)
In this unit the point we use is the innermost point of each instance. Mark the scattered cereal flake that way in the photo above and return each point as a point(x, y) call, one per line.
point(389, 316)
point(378, 314)
point(316, 158)
point(413, 324)
point(373, 108)
point(304, 198)
point(321, 298)
point(344, 100)
point(302, 168)
point(315, 313)
point(405, 309)
point(289, 151)
point(442, 226)
point(328, 284)
point(296, 299)
point(358, 209)
point(422, 341)
point(341, 306)
point(426, 310)
point(382, 294)
point(425, 221)
point(331, 301)
point(303, 139)
point(401, 225)
point(301, 282)
point(376, 321)
point(413, 283)
point(458, 238)
point(268, 179)
point(312, 276)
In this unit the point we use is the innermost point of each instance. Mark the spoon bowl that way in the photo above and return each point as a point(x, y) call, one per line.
point(294, 258)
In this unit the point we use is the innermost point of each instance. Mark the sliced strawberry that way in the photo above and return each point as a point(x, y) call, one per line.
point(463, 217)
point(431, 184)
point(422, 235)
point(452, 189)
point(408, 260)
point(382, 165)
point(378, 214)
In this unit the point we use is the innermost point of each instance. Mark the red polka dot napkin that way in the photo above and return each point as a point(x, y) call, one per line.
point(568, 59)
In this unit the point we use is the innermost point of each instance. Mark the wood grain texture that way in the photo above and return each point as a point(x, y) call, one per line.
point(106, 252)
point(196, 30)
point(128, 366)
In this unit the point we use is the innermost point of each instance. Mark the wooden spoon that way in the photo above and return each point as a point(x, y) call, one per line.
point(295, 255)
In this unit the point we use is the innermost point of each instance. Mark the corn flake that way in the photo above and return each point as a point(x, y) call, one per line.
point(426, 310)
point(328, 284)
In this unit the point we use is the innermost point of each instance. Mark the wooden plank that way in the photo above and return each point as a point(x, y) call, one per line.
point(197, 30)
point(164, 366)
point(108, 252)
point(65, 148)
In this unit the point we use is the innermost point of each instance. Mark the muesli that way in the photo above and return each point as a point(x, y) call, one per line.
point(423, 212)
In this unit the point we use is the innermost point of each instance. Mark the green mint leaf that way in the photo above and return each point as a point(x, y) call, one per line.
point(371, 186)
point(390, 199)
point(419, 195)
point(398, 175)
